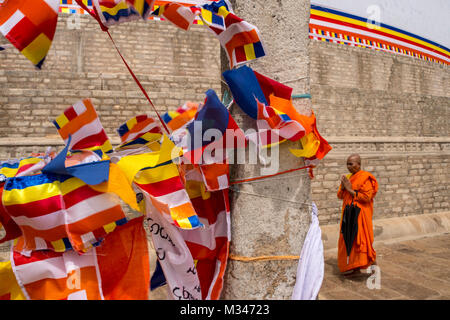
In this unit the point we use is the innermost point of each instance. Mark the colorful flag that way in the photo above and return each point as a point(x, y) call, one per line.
point(156, 175)
point(116, 270)
point(81, 122)
point(139, 131)
point(12, 168)
point(209, 246)
point(240, 39)
point(113, 12)
point(270, 118)
point(180, 117)
point(48, 275)
point(30, 26)
point(209, 18)
point(60, 212)
point(181, 16)
point(212, 133)
point(168, 195)
point(11, 229)
point(143, 7)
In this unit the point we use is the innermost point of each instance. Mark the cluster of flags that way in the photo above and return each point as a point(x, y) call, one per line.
point(30, 25)
point(73, 239)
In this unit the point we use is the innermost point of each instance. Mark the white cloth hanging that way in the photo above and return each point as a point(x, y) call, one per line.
point(310, 268)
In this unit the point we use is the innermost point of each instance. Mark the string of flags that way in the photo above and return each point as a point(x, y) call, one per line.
point(76, 218)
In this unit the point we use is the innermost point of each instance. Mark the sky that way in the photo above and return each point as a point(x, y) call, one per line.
point(429, 19)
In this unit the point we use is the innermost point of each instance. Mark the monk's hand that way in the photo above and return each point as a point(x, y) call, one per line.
point(346, 183)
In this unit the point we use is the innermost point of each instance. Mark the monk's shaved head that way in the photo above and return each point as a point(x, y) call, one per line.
point(356, 157)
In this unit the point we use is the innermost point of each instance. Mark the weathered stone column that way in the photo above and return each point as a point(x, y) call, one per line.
point(271, 217)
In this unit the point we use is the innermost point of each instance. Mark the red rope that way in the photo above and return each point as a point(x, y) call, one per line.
point(104, 28)
point(272, 175)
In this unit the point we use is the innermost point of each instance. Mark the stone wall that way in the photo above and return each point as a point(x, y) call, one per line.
point(395, 112)
point(173, 65)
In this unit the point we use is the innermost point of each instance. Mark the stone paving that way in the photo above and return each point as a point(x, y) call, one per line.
point(409, 270)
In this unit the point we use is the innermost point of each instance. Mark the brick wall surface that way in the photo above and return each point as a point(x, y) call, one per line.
point(173, 65)
point(395, 112)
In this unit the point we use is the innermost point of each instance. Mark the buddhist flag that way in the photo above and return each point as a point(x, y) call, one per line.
point(48, 275)
point(30, 26)
point(143, 7)
point(173, 256)
point(240, 39)
point(212, 133)
point(113, 12)
point(180, 117)
point(59, 213)
point(81, 122)
point(12, 168)
point(209, 246)
point(139, 131)
point(181, 16)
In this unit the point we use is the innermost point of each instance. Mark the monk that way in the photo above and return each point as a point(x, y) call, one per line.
point(361, 187)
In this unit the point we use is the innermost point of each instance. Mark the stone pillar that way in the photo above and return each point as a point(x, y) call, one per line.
point(271, 217)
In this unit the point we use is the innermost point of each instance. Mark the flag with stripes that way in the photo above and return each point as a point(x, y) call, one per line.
point(269, 118)
point(48, 275)
point(12, 168)
point(139, 131)
point(167, 193)
point(156, 175)
point(209, 18)
point(30, 26)
point(10, 229)
point(116, 270)
point(59, 213)
point(240, 39)
point(215, 119)
point(143, 7)
point(209, 246)
point(181, 16)
point(180, 117)
point(81, 122)
point(113, 12)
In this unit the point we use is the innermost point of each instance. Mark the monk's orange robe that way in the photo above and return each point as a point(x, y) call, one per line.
point(362, 254)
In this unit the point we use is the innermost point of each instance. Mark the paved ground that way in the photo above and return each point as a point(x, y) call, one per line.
point(415, 269)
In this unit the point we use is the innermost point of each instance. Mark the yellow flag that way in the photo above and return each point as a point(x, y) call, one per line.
point(310, 146)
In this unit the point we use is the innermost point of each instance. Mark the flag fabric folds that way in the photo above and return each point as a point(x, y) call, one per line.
point(245, 88)
point(30, 26)
point(113, 12)
point(173, 256)
point(181, 16)
point(139, 131)
point(180, 117)
point(60, 212)
point(209, 246)
point(48, 275)
point(240, 39)
point(212, 133)
point(82, 123)
point(9, 288)
point(143, 7)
